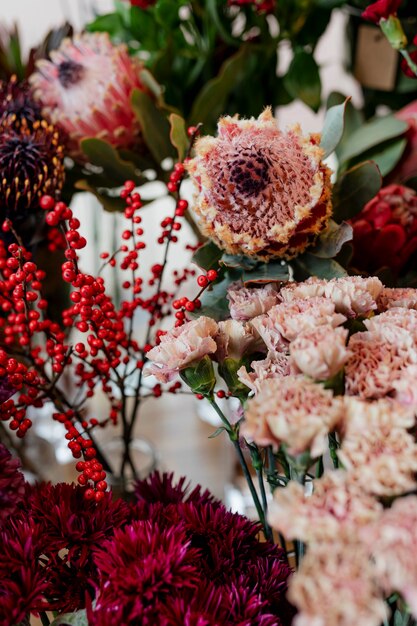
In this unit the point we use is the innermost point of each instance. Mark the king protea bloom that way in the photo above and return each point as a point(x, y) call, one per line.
point(86, 88)
point(261, 192)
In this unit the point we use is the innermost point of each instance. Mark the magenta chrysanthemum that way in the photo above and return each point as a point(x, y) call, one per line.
point(12, 484)
point(86, 88)
point(261, 192)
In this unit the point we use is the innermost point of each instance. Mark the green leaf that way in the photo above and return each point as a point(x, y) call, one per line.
point(166, 13)
point(239, 261)
point(311, 265)
point(151, 83)
point(217, 432)
point(110, 203)
point(214, 301)
point(111, 23)
point(154, 125)
point(334, 123)
point(116, 170)
point(386, 156)
point(266, 273)
point(303, 79)
point(178, 135)
point(354, 189)
point(370, 135)
point(78, 618)
point(207, 257)
point(209, 102)
point(332, 240)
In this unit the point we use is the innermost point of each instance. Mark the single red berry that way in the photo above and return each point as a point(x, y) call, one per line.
point(212, 275)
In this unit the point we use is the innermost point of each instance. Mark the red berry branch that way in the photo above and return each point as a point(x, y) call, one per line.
point(35, 351)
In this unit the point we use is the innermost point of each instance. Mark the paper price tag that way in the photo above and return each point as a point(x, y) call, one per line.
point(376, 62)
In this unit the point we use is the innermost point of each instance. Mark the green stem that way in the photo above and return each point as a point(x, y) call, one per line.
point(44, 618)
point(271, 474)
point(234, 438)
point(299, 545)
point(268, 530)
point(319, 468)
point(409, 61)
point(333, 445)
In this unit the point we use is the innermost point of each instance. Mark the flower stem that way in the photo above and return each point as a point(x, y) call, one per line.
point(234, 438)
point(298, 545)
point(333, 445)
point(44, 618)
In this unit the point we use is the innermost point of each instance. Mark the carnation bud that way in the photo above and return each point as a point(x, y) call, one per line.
point(394, 32)
point(228, 371)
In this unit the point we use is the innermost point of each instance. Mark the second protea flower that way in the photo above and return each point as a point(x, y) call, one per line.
point(86, 88)
point(261, 192)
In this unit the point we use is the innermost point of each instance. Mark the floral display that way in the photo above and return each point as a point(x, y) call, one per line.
point(241, 271)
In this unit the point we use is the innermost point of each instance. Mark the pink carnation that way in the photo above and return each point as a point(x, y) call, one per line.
point(390, 298)
point(354, 296)
point(246, 303)
point(235, 340)
point(181, 347)
point(311, 288)
point(320, 352)
point(266, 330)
point(85, 89)
point(294, 411)
point(377, 451)
point(276, 365)
point(392, 540)
point(289, 319)
point(336, 586)
point(372, 367)
point(405, 387)
point(336, 505)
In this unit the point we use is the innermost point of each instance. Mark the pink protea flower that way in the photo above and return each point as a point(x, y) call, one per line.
point(372, 367)
point(295, 411)
point(261, 192)
point(390, 298)
point(181, 347)
point(377, 451)
point(336, 586)
point(336, 505)
point(276, 365)
point(287, 320)
point(320, 352)
point(235, 340)
point(392, 539)
point(12, 484)
point(246, 303)
point(86, 87)
point(385, 231)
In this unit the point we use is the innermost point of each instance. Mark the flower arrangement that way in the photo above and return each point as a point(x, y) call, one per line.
point(304, 311)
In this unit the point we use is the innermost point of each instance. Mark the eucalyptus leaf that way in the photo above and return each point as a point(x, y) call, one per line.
point(214, 302)
point(370, 135)
point(333, 128)
point(311, 265)
point(178, 135)
point(207, 257)
point(78, 618)
point(354, 189)
point(332, 240)
point(302, 80)
point(274, 271)
point(116, 170)
point(154, 125)
point(239, 261)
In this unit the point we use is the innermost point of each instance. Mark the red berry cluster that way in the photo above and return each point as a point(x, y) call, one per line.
point(184, 305)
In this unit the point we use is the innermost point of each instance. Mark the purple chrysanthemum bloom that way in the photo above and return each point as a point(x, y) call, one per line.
point(12, 483)
point(6, 389)
point(161, 488)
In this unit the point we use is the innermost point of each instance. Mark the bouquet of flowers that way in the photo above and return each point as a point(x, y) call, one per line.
point(304, 311)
